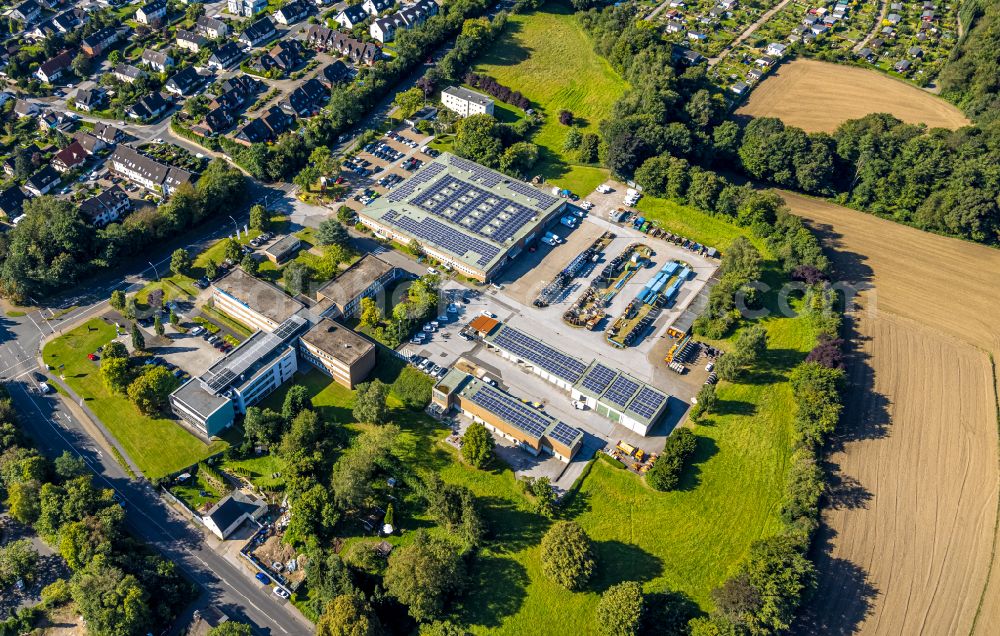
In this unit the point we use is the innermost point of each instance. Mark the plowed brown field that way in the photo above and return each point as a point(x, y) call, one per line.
point(819, 96)
point(909, 536)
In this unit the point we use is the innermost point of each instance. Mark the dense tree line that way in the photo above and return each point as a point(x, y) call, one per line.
point(495, 89)
point(475, 37)
point(54, 246)
point(939, 180)
point(117, 584)
point(483, 139)
point(969, 78)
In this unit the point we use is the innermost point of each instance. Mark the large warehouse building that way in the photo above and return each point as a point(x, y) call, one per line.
point(469, 217)
point(507, 416)
point(614, 394)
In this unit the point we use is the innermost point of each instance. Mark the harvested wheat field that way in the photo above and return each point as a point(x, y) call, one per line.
point(819, 96)
point(909, 534)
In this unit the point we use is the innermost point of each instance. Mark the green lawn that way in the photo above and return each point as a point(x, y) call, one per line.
point(158, 446)
point(547, 56)
point(693, 223)
point(688, 540)
point(264, 471)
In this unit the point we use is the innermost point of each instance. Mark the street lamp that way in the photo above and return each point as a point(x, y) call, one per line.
point(154, 270)
point(236, 225)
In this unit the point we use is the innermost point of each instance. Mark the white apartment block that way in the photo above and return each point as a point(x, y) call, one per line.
point(466, 102)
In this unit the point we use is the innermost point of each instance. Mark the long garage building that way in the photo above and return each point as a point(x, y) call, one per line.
point(466, 216)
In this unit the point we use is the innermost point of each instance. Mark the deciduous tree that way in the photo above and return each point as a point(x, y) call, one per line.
point(477, 445)
point(568, 555)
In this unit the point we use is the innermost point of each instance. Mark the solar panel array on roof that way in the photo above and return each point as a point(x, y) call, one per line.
point(543, 200)
point(647, 402)
point(473, 208)
point(439, 234)
point(409, 186)
point(483, 175)
point(621, 391)
point(289, 327)
point(221, 380)
point(599, 378)
point(511, 410)
point(540, 354)
point(564, 434)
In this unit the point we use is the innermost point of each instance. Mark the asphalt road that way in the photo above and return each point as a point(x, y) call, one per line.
point(225, 585)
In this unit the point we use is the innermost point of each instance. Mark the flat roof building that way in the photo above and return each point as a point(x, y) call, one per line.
point(283, 249)
point(251, 301)
point(613, 393)
point(244, 377)
point(468, 216)
point(507, 416)
point(466, 102)
point(338, 352)
point(366, 278)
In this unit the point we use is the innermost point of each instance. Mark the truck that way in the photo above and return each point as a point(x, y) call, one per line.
point(568, 221)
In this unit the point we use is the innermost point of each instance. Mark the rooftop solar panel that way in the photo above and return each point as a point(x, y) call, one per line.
point(441, 235)
point(543, 200)
point(409, 186)
point(621, 390)
point(599, 378)
point(474, 208)
point(647, 402)
point(565, 434)
point(540, 354)
point(511, 410)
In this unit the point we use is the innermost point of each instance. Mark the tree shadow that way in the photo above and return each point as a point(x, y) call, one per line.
point(844, 596)
point(844, 492)
point(668, 612)
point(618, 562)
point(514, 528)
point(734, 407)
point(498, 589)
point(691, 474)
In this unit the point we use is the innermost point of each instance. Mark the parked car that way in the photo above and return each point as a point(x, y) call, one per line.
point(44, 388)
point(263, 578)
point(279, 592)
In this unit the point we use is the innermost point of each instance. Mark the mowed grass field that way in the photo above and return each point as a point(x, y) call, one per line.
point(158, 446)
point(547, 56)
point(819, 96)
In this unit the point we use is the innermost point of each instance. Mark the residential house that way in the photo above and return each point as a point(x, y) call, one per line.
point(127, 73)
point(893, 19)
point(740, 88)
point(69, 157)
point(915, 52)
point(775, 49)
point(465, 102)
point(61, 23)
point(225, 56)
point(100, 41)
point(305, 100)
point(24, 108)
point(335, 73)
point(190, 40)
point(902, 66)
point(265, 128)
point(26, 12)
point(146, 171)
point(377, 7)
point(152, 13)
point(90, 143)
point(108, 133)
point(232, 511)
point(675, 26)
point(293, 12)
point(12, 202)
point(52, 69)
point(157, 60)
point(106, 207)
point(867, 55)
point(31, 151)
point(184, 82)
point(244, 84)
point(246, 8)
point(697, 36)
point(287, 55)
point(324, 39)
point(257, 33)
point(351, 16)
point(52, 120)
point(211, 27)
point(149, 107)
point(43, 181)
point(218, 120)
point(89, 100)
point(384, 29)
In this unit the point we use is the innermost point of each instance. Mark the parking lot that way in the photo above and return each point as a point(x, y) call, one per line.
point(384, 163)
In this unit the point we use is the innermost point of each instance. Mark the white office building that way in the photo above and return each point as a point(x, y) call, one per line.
point(466, 102)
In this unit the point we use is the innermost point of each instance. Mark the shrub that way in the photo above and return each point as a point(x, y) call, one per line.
point(620, 610)
point(666, 471)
